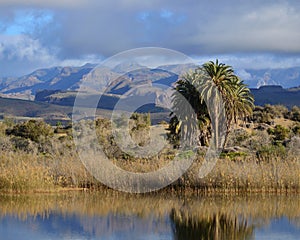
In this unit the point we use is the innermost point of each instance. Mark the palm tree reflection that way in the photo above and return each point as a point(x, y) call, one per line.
point(216, 226)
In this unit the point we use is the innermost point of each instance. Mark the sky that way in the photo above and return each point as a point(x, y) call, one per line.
point(245, 34)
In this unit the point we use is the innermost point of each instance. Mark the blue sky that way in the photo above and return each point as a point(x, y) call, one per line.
point(245, 34)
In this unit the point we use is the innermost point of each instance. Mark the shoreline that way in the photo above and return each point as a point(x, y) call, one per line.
point(172, 190)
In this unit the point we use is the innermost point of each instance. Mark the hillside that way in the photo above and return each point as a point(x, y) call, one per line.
point(264, 95)
point(276, 95)
point(25, 108)
point(25, 87)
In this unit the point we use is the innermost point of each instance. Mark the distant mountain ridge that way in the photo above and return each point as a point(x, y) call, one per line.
point(60, 85)
point(285, 77)
point(63, 78)
point(70, 78)
point(114, 84)
point(275, 95)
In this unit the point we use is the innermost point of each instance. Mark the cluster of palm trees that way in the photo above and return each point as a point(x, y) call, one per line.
point(210, 90)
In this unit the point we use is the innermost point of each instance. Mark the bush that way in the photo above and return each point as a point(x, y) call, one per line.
point(276, 111)
point(259, 116)
point(295, 114)
point(267, 153)
point(268, 113)
point(2, 129)
point(296, 129)
point(139, 128)
point(32, 129)
point(5, 144)
point(174, 132)
point(257, 140)
point(23, 144)
point(294, 146)
point(237, 137)
point(234, 155)
point(279, 133)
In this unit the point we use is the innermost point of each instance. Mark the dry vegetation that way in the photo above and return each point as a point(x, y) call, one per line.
point(260, 156)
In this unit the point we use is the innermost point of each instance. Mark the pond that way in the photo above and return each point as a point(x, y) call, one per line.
point(113, 215)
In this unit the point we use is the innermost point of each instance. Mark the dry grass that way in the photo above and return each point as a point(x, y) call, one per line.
point(28, 172)
point(249, 175)
point(57, 164)
point(284, 122)
point(21, 172)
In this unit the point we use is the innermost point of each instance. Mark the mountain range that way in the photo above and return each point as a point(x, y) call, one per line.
point(69, 78)
point(59, 85)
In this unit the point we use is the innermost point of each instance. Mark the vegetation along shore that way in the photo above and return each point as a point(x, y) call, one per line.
point(261, 151)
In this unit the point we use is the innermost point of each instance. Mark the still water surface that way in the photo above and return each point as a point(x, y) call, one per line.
point(113, 215)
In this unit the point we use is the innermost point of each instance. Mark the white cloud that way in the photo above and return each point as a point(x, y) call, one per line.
point(23, 54)
point(91, 58)
point(251, 33)
point(241, 62)
point(269, 27)
point(197, 27)
point(22, 47)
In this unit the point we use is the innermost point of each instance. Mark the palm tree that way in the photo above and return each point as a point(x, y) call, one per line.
point(213, 83)
point(240, 105)
point(187, 102)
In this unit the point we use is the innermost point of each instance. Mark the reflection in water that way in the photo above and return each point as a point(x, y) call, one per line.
point(219, 226)
point(112, 215)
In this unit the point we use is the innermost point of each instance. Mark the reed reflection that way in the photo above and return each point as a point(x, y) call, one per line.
point(103, 215)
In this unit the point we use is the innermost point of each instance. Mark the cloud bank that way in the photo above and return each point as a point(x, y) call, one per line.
point(45, 33)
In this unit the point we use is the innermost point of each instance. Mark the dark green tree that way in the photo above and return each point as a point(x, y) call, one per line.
point(212, 83)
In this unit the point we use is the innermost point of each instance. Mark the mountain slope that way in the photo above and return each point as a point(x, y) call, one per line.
point(63, 78)
point(25, 108)
point(276, 95)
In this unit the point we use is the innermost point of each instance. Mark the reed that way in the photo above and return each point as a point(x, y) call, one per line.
point(52, 163)
point(277, 175)
point(23, 172)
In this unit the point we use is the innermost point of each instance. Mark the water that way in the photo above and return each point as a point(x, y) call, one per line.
point(113, 215)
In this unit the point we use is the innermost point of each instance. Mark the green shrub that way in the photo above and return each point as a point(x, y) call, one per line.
point(295, 114)
point(260, 116)
point(237, 137)
point(296, 129)
point(276, 111)
point(294, 146)
point(279, 133)
point(257, 140)
point(23, 144)
point(5, 144)
point(233, 155)
point(32, 129)
point(270, 152)
point(268, 113)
